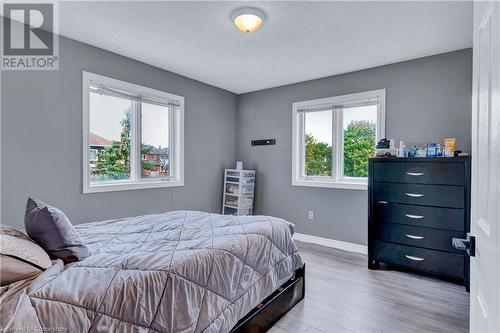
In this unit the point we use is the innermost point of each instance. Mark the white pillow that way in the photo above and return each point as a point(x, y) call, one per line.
point(21, 257)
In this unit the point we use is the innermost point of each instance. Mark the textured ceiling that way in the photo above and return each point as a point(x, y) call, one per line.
point(299, 40)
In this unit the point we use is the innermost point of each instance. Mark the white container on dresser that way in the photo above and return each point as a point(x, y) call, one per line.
point(239, 186)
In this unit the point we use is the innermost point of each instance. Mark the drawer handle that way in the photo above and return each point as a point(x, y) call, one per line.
point(414, 258)
point(414, 216)
point(382, 202)
point(415, 174)
point(414, 237)
point(414, 195)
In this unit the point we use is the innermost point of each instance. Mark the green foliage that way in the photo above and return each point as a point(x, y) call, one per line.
point(359, 145)
point(146, 149)
point(113, 161)
point(318, 157)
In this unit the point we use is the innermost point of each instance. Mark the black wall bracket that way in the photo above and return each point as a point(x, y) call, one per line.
point(264, 142)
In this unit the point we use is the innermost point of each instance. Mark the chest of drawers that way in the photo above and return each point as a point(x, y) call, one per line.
point(416, 207)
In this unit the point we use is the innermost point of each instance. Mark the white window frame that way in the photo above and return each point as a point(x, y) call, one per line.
point(177, 136)
point(298, 158)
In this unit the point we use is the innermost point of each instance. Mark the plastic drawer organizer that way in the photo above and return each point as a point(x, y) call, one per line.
point(239, 186)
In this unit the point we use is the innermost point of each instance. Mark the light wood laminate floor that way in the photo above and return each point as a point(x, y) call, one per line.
point(343, 295)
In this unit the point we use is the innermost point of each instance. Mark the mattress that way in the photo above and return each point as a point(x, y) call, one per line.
point(181, 271)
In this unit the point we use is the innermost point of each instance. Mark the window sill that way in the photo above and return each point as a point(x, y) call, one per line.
point(326, 184)
point(108, 187)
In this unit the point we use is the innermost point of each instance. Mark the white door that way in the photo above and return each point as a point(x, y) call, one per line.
point(485, 212)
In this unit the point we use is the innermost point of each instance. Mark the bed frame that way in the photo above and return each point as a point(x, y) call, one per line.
point(267, 313)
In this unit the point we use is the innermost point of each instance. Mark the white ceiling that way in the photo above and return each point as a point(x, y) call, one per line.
point(299, 40)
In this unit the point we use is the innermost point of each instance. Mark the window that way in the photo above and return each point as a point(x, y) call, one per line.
point(133, 136)
point(334, 137)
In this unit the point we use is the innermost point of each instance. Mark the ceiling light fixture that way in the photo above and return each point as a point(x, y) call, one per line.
point(248, 19)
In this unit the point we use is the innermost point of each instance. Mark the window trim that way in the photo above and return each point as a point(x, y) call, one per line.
point(298, 140)
point(177, 135)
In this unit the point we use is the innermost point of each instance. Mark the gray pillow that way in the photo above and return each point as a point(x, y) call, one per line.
point(52, 230)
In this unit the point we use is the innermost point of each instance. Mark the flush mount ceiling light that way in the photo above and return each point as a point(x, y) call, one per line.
point(248, 19)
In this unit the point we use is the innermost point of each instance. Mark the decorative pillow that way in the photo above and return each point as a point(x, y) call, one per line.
point(20, 257)
point(52, 230)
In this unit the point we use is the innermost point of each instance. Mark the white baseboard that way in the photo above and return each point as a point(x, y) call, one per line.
point(346, 246)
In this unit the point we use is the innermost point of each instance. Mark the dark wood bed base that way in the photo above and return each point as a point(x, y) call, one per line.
point(267, 313)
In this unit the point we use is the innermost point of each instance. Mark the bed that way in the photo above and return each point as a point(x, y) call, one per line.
point(181, 271)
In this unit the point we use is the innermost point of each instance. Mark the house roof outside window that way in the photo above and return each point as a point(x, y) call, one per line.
point(99, 141)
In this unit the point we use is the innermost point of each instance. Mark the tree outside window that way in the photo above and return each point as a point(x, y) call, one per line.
point(359, 146)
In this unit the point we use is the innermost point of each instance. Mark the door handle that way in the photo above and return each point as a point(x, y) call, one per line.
point(414, 216)
point(414, 237)
point(414, 258)
point(468, 244)
point(415, 173)
point(382, 202)
point(414, 195)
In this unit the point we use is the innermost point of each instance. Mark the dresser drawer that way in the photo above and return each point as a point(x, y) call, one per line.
point(441, 263)
point(416, 194)
point(429, 238)
point(444, 173)
point(422, 216)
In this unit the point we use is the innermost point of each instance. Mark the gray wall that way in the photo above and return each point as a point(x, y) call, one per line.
point(426, 99)
point(41, 137)
point(41, 133)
